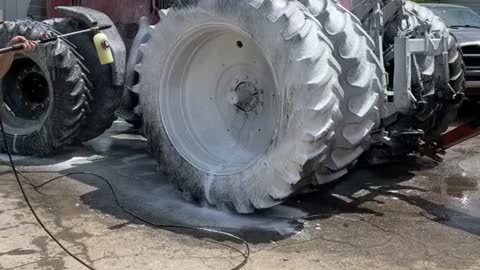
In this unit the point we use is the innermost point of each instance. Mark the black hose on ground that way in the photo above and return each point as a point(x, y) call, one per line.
point(245, 254)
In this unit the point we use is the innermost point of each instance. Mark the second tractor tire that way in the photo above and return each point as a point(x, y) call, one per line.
point(442, 106)
point(362, 81)
point(105, 97)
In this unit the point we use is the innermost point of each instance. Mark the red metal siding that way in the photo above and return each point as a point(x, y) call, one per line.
point(346, 4)
point(120, 11)
point(51, 4)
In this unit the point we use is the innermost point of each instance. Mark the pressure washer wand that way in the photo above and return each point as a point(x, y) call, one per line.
point(94, 29)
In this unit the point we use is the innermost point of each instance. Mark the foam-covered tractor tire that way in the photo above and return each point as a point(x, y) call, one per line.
point(362, 82)
point(443, 105)
point(66, 86)
point(302, 58)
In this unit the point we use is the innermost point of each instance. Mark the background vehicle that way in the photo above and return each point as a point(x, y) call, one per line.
point(464, 24)
point(243, 102)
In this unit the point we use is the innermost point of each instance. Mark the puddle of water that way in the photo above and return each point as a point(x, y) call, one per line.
point(455, 186)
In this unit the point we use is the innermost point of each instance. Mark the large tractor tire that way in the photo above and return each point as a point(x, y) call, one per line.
point(44, 95)
point(105, 97)
point(240, 100)
point(441, 103)
point(361, 79)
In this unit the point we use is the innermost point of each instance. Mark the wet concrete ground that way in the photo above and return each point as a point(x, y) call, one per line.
point(410, 215)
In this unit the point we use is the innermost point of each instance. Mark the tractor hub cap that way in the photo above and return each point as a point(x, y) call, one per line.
point(219, 99)
point(245, 97)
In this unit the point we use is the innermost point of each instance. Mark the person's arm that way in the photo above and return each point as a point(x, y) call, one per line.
point(6, 59)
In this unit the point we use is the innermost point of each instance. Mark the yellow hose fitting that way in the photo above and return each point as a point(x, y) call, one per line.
point(103, 48)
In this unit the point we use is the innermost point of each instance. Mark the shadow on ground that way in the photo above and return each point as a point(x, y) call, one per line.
point(121, 157)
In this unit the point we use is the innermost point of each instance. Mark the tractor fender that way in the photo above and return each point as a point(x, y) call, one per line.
point(89, 17)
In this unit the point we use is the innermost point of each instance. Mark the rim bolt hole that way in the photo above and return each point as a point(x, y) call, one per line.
point(239, 44)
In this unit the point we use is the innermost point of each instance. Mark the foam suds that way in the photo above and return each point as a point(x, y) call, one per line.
point(134, 175)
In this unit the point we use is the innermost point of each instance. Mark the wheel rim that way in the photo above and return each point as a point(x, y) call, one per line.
point(219, 100)
point(26, 97)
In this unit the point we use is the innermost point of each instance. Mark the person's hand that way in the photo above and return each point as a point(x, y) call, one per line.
point(28, 45)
